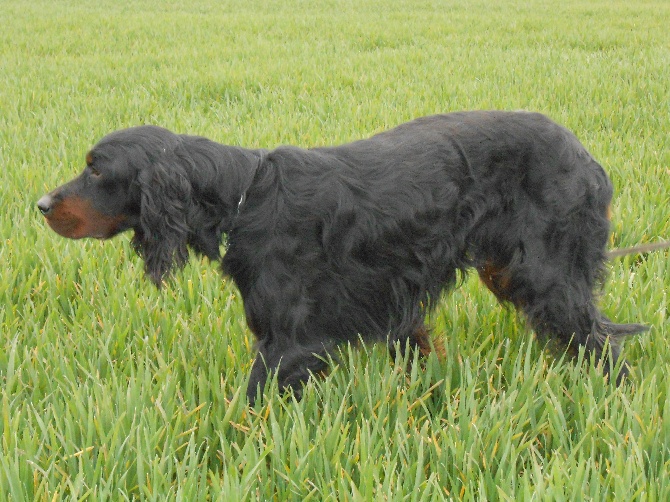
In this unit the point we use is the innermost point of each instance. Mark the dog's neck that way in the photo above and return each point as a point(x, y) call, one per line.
point(228, 222)
point(246, 182)
point(222, 175)
point(249, 181)
point(243, 197)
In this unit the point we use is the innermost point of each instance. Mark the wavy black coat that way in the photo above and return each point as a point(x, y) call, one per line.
point(327, 245)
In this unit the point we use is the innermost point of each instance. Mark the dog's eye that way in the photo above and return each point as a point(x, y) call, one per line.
point(94, 172)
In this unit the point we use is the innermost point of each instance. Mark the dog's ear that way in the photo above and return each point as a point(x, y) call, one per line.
point(162, 234)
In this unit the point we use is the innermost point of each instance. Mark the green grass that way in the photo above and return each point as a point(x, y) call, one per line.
point(112, 390)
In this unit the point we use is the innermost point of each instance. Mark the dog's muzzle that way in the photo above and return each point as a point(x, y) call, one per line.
point(45, 204)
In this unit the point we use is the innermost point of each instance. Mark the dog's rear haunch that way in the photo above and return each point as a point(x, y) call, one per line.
point(329, 244)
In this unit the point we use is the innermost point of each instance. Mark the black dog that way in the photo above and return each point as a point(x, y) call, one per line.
point(329, 244)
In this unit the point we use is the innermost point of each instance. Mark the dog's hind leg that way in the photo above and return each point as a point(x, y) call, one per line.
point(568, 313)
point(420, 339)
point(417, 340)
point(605, 331)
point(548, 262)
point(561, 305)
point(423, 340)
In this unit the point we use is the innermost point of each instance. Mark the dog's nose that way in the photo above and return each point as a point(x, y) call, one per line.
point(44, 204)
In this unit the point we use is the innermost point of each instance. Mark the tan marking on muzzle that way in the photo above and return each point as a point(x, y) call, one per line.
point(75, 218)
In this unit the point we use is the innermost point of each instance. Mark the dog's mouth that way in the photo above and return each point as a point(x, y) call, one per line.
point(75, 218)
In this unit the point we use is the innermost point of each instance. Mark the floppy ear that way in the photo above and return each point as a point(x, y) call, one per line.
point(162, 234)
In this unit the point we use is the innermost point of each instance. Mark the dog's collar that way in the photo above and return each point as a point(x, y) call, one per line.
point(243, 196)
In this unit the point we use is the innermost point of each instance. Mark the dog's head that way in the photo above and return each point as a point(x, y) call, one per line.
point(134, 179)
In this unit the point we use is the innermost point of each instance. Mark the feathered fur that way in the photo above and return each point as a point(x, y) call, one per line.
point(329, 244)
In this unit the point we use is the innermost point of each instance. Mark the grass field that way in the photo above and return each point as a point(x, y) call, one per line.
point(112, 390)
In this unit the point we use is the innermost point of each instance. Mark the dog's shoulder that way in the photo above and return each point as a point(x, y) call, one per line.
point(292, 156)
point(291, 166)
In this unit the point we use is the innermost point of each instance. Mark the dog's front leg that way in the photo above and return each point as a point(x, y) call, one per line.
point(292, 363)
point(257, 379)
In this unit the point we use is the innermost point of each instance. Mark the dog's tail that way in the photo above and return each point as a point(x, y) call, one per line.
point(605, 333)
point(641, 249)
